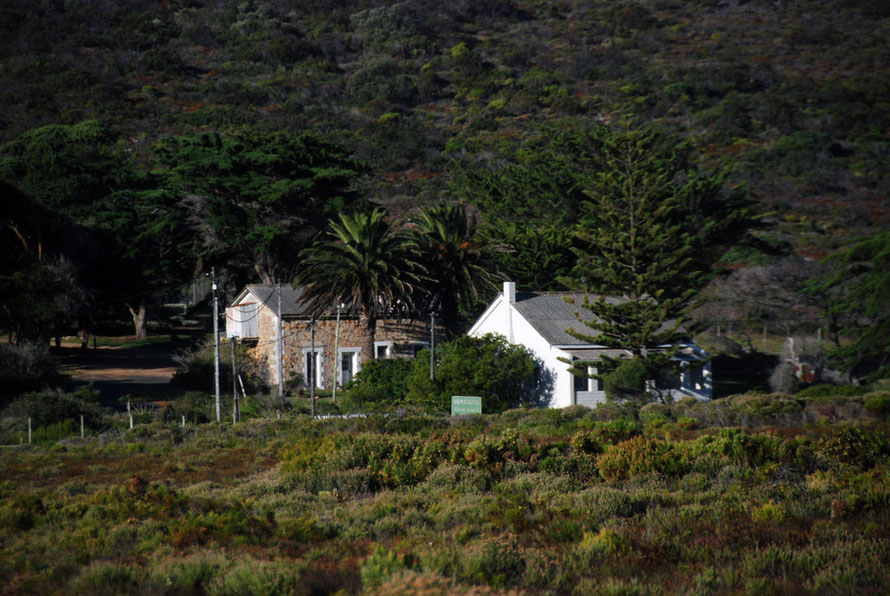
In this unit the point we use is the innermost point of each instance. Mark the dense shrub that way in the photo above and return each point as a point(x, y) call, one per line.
point(627, 381)
point(826, 390)
point(25, 367)
point(381, 382)
point(855, 446)
point(504, 375)
point(604, 434)
point(637, 456)
point(654, 414)
point(746, 448)
point(878, 403)
point(197, 408)
point(383, 564)
point(496, 562)
point(514, 501)
point(48, 408)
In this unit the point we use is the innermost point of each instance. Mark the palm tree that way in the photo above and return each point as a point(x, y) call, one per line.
point(364, 263)
point(458, 267)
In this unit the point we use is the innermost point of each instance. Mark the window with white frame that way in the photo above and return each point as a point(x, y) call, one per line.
point(313, 364)
point(347, 364)
point(382, 349)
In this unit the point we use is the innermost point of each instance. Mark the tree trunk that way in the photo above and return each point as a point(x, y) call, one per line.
point(369, 325)
point(265, 276)
point(138, 320)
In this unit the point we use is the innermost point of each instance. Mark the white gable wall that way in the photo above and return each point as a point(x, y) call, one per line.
point(503, 319)
point(242, 316)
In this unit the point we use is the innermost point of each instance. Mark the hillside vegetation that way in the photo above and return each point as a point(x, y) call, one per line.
point(751, 494)
point(793, 93)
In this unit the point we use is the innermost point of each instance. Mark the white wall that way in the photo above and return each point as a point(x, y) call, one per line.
point(502, 318)
point(242, 321)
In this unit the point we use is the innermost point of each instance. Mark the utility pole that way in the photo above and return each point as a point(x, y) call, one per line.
point(215, 342)
point(314, 360)
point(280, 350)
point(336, 349)
point(236, 407)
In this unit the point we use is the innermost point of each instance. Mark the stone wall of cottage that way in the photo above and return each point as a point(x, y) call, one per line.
point(404, 336)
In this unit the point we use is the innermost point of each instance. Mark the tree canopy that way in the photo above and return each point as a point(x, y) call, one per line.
point(365, 263)
point(254, 200)
point(651, 227)
point(459, 268)
point(863, 280)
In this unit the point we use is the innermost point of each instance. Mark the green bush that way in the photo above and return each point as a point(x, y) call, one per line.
point(103, 577)
point(604, 434)
point(654, 414)
point(191, 575)
point(639, 456)
point(855, 446)
point(383, 564)
point(496, 562)
point(826, 390)
point(746, 448)
point(260, 577)
point(627, 381)
point(22, 512)
point(47, 408)
point(194, 405)
point(504, 375)
point(25, 367)
point(878, 403)
point(55, 432)
point(380, 382)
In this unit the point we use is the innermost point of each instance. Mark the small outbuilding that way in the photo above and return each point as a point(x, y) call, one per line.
point(540, 321)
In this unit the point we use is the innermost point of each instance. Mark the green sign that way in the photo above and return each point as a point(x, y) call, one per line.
point(465, 404)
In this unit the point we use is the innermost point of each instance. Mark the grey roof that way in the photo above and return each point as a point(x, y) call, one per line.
point(552, 313)
point(292, 304)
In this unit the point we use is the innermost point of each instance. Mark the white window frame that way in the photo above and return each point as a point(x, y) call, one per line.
point(356, 363)
point(383, 344)
point(319, 367)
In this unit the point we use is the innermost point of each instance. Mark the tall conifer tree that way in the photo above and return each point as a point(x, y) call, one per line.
point(651, 229)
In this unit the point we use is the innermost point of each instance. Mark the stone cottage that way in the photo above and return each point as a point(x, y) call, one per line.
point(253, 318)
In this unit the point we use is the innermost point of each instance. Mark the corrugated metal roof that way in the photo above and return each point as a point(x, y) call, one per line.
point(552, 313)
point(292, 304)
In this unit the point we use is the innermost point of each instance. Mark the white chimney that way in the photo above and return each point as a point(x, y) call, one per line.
point(510, 291)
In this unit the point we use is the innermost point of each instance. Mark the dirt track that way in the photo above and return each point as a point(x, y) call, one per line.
point(117, 371)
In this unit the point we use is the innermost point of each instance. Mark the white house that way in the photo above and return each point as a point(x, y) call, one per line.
point(540, 320)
